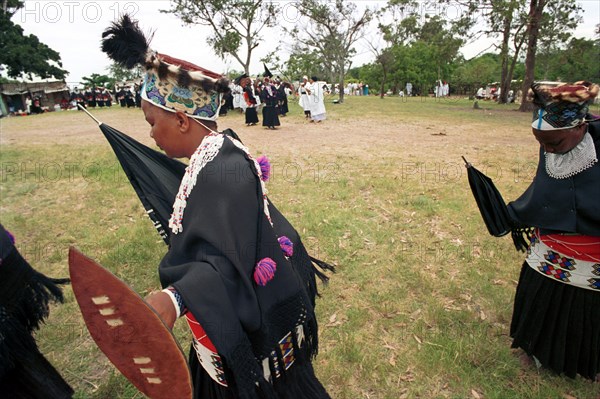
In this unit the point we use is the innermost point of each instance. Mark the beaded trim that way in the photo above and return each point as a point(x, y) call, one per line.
point(206, 152)
point(580, 158)
point(177, 300)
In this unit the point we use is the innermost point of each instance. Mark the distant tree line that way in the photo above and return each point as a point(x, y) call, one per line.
point(414, 42)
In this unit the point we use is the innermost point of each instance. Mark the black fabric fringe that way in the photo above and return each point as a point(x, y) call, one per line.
point(521, 237)
point(557, 323)
point(323, 266)
point(25, 295)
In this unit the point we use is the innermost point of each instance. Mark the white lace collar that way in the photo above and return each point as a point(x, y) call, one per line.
point(580, 158)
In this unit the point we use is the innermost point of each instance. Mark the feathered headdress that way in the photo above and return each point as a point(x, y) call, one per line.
point(170, 83)
point(561, 107)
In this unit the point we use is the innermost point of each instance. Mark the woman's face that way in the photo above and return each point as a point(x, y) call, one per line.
point(164, 129)
point(560, 141)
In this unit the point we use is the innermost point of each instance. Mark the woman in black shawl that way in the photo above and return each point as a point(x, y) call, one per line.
point(236, 269)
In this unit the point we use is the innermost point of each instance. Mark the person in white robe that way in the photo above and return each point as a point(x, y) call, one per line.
point(316, 99)
point(237, 92)
point(304, 98)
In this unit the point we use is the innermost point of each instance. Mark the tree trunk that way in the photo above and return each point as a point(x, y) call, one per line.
point(536, 7)
point(341, 77)
point(382, 88)
point(505, 77)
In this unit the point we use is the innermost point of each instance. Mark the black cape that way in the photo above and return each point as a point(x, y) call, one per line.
point(211, 263)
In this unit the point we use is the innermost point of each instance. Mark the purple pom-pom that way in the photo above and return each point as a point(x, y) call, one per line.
point(265, 167)
point(287, 246)
point(264, 271)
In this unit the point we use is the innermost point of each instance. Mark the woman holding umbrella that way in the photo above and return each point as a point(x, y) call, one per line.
point(235, 269)
point(556, 317)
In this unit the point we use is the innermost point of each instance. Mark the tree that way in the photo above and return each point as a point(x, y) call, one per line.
point(118, 73)
point(25, 55)
point(519, 24)
point(477, 72)
point(578, 60)
point(97, 80)
point(298, 64)
point(407, 33)
point(236, 24)
point(536, 7)
point(563, 12)
point(331, 31)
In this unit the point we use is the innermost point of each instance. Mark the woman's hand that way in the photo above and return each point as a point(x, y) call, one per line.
point(163, 305)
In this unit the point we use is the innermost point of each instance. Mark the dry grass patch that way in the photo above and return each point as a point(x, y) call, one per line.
point(420, 306)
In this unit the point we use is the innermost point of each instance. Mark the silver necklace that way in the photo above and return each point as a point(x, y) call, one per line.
point(580, 158)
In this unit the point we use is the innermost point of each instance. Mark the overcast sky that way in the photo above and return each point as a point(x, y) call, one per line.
point(74, 27)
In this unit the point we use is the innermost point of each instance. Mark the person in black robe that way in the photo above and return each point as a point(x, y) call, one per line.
point(236, 269)
point(282, 97)
point(25, 295)
point(90, 97)
point(121, 97)
point(130, 97)
point(269, 96)
point(250, 113)
point(99, 95)
point(556, 317)
point(79, 98)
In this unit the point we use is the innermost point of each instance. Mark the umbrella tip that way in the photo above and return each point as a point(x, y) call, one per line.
point(467, 164)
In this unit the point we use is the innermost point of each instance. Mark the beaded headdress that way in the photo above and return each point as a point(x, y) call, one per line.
point(561, 107)
point(169, 83)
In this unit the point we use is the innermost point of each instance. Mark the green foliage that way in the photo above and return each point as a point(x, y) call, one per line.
point(309, 64)
point(96, 80)
point(420, 49)
point(477, 72)
point(236, 25)
point(330, 34)
point(118, 73)
point(578, 61)
point(25, 54)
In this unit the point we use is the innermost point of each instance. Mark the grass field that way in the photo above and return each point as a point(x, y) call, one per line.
point(421, 303)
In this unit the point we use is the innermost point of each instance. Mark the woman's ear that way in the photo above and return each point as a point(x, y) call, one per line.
point(183, 121)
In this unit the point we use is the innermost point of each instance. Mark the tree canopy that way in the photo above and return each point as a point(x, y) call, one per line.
point(236, 24)
point(24, 55)
point(330, 31)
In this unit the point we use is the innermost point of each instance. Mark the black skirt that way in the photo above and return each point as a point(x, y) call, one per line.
point(251, 115)
point(557, 323)
point(270, 117)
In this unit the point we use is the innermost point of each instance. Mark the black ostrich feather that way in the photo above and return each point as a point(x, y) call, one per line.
point(125, 43)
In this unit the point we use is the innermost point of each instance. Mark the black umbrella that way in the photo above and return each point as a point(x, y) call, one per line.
point(491, 204)
point(154, 176)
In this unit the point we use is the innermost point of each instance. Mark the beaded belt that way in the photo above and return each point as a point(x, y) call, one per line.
point(570, 259)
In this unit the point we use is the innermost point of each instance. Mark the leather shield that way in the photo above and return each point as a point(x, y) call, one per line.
point(128, 331)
